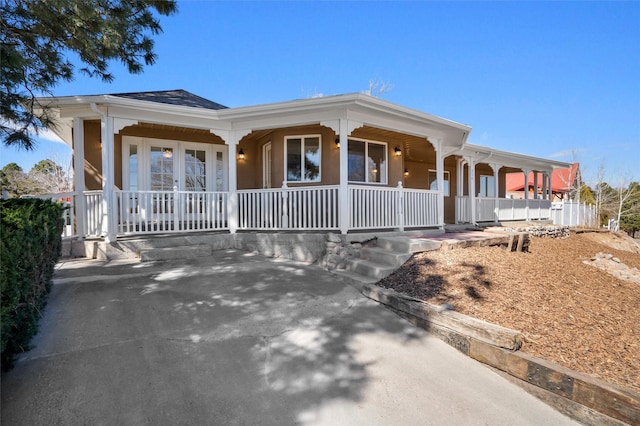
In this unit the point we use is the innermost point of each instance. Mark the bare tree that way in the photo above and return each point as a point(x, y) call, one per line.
point(599, 193)
point(377, 87)
point(48, 177)
point(624, 191)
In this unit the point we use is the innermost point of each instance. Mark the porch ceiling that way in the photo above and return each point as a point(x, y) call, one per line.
point(413, 147)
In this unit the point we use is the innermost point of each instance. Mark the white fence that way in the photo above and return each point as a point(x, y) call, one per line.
point(68, 214)
point(573, 214)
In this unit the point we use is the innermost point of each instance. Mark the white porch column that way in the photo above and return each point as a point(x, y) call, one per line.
point(232, 206)
point(496, 188)
point(526, 192)
point(535, 185)
point(544, 185)
point(472, 190)
point(460, 177)
point(440, 180)
point(343, 128)
point(343, 191)
point(108, 194)
point(459, 184)
point(232, 139)
point(78, 177)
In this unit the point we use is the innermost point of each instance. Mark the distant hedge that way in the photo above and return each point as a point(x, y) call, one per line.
point(30, 246)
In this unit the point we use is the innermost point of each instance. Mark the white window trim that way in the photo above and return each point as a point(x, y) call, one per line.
point(286, 168)
point(266, 165)
point(366, 155)
point(447, 177)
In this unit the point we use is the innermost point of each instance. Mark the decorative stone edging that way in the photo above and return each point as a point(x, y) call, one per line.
point(550, 231)
point(603, 397)
point(338, 251)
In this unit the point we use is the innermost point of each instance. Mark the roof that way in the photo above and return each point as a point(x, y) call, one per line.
point(562, 180)
point(172, 97)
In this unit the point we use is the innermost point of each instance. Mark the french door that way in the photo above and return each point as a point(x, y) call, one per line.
point(166, 182)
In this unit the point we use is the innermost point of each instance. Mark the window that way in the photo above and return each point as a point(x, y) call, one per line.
point(195, 170)
point(303, 158)
point(133, 168)
point(367, 161)
point(433, 182)
point(162, 165)
point(487, 186)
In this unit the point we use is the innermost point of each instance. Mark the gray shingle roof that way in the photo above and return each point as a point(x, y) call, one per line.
point(172, 97)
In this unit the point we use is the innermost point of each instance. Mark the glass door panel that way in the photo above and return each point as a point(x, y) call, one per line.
point(195, 170)
point(163, 178)
point(162, 162)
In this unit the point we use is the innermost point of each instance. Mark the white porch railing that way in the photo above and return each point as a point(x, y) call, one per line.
point(141, 212)
point(420, 208)
point(303, 208)
point(93, 213)
point(373, 207)
point(463, 210)
point(502, 209)
point(486, 210)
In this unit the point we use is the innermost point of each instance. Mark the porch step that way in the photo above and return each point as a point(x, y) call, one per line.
point(370, 269)
point(353, 279)
point(407, 245)
point(172, 253)
point(384, 256)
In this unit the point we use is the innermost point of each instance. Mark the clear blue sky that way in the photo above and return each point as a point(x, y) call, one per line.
point(539, 78)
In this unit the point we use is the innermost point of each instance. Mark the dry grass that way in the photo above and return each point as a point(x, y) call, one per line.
point(570, 313)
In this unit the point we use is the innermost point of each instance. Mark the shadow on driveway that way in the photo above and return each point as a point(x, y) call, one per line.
point(238, 339)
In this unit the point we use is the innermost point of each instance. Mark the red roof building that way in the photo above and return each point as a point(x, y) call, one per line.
point(562, 182)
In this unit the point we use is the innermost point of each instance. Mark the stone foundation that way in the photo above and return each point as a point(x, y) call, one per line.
point(338, 250)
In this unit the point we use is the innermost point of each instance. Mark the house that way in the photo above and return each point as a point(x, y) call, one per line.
point(171, 161)
point(563, 183)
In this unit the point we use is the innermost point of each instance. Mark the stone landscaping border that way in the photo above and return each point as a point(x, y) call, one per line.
point(488, 346)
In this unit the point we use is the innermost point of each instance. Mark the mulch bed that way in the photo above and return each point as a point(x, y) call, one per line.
point(570, 313)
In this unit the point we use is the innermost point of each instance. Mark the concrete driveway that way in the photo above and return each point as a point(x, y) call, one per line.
point(241, 339)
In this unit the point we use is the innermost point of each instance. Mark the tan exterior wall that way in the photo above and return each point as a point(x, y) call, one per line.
point(92, 156)
point(250, 170)
point(419, 179)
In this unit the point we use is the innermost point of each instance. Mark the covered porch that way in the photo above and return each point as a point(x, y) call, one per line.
point(171, 162)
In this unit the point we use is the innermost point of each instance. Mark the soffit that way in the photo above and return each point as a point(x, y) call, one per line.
point(414, 148)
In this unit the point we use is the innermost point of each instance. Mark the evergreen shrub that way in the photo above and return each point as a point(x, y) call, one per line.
point(30, 246)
